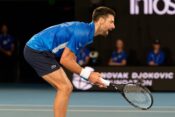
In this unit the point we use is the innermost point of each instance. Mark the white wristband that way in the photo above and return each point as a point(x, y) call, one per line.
point(85, 72)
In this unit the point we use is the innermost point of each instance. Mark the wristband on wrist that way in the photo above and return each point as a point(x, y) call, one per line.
point(85, 72)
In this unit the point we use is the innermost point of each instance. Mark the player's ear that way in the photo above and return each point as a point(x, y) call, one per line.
point(101, 20)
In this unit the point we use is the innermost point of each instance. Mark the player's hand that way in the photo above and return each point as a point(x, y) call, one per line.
point(95, 78)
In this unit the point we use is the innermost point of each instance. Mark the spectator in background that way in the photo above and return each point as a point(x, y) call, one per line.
point(6, 42)
point(119, 56)
point(83, 57)
point(6, 53)
point(156, 56)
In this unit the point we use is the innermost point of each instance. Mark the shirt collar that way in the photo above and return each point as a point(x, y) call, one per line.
point(92, 31)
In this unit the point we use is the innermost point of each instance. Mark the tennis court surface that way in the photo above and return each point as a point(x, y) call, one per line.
point(36, 101)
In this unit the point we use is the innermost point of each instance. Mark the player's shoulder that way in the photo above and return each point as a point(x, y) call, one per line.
point(76, 26)
point(74, 23)
point(81, 25)
point(83, 29)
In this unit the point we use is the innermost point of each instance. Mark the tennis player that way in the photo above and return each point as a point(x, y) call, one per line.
point(64, 41)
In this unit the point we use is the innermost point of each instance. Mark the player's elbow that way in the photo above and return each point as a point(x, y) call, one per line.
point(67, 57)
point(63, 61)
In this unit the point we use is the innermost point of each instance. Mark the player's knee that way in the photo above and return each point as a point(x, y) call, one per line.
point(66, 88)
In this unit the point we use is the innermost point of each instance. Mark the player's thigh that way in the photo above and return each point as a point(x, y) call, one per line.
point(58, 79)
point(46, 66)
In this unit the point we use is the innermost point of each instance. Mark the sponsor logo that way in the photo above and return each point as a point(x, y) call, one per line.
point(147, 78)
point(53, 66)
point(159, 7)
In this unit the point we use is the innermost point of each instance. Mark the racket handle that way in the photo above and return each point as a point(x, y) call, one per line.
point(105, 82)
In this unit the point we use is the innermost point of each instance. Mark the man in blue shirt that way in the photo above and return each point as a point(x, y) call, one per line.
point(156, 56)
point(119, 56)
point(6, 44)
point(64, 41)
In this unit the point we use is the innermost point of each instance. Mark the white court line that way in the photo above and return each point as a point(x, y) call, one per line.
point(25, 105)
point(81, 106)
point(101, 111)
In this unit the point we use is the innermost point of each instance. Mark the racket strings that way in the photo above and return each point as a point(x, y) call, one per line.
point(137, 95)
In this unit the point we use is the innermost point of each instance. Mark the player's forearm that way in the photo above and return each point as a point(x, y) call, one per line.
point(71, 65)
point(68, 60)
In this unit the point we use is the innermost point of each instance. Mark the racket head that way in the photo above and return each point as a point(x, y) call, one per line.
point(138, 96)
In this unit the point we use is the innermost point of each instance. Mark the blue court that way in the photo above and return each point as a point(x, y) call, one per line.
point(36, 101)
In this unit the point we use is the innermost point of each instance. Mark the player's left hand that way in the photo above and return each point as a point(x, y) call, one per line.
point(95, 78)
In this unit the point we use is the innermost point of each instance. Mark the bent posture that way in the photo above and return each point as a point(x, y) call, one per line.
point(64, 41)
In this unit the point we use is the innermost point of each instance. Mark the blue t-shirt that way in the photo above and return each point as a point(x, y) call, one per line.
point(6, 42)
point(74, 35)
point(157, 58)
point(118, 57)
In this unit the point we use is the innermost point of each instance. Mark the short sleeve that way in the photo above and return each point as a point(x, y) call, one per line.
point(76, 44)
point(72, 45)
point(79, 38)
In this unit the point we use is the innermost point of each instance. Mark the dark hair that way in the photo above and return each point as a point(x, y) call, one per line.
point(102, 12)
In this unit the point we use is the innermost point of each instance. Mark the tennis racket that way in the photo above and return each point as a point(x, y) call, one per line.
point(135, 94)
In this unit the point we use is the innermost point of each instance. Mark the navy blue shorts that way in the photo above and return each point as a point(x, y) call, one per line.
point(43, 62)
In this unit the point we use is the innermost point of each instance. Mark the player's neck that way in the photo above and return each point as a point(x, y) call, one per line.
point(97, 31)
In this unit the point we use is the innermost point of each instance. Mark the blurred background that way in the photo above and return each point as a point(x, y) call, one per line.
point(141, 46)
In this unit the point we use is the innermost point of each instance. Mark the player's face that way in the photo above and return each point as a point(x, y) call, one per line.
point(107, 24)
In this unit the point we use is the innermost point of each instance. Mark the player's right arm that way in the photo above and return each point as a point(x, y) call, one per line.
point(68, 60)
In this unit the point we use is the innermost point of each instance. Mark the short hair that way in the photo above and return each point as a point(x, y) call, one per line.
point(102, 11)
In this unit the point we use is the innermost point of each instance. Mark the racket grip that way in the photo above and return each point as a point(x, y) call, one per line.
point(105, 82)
